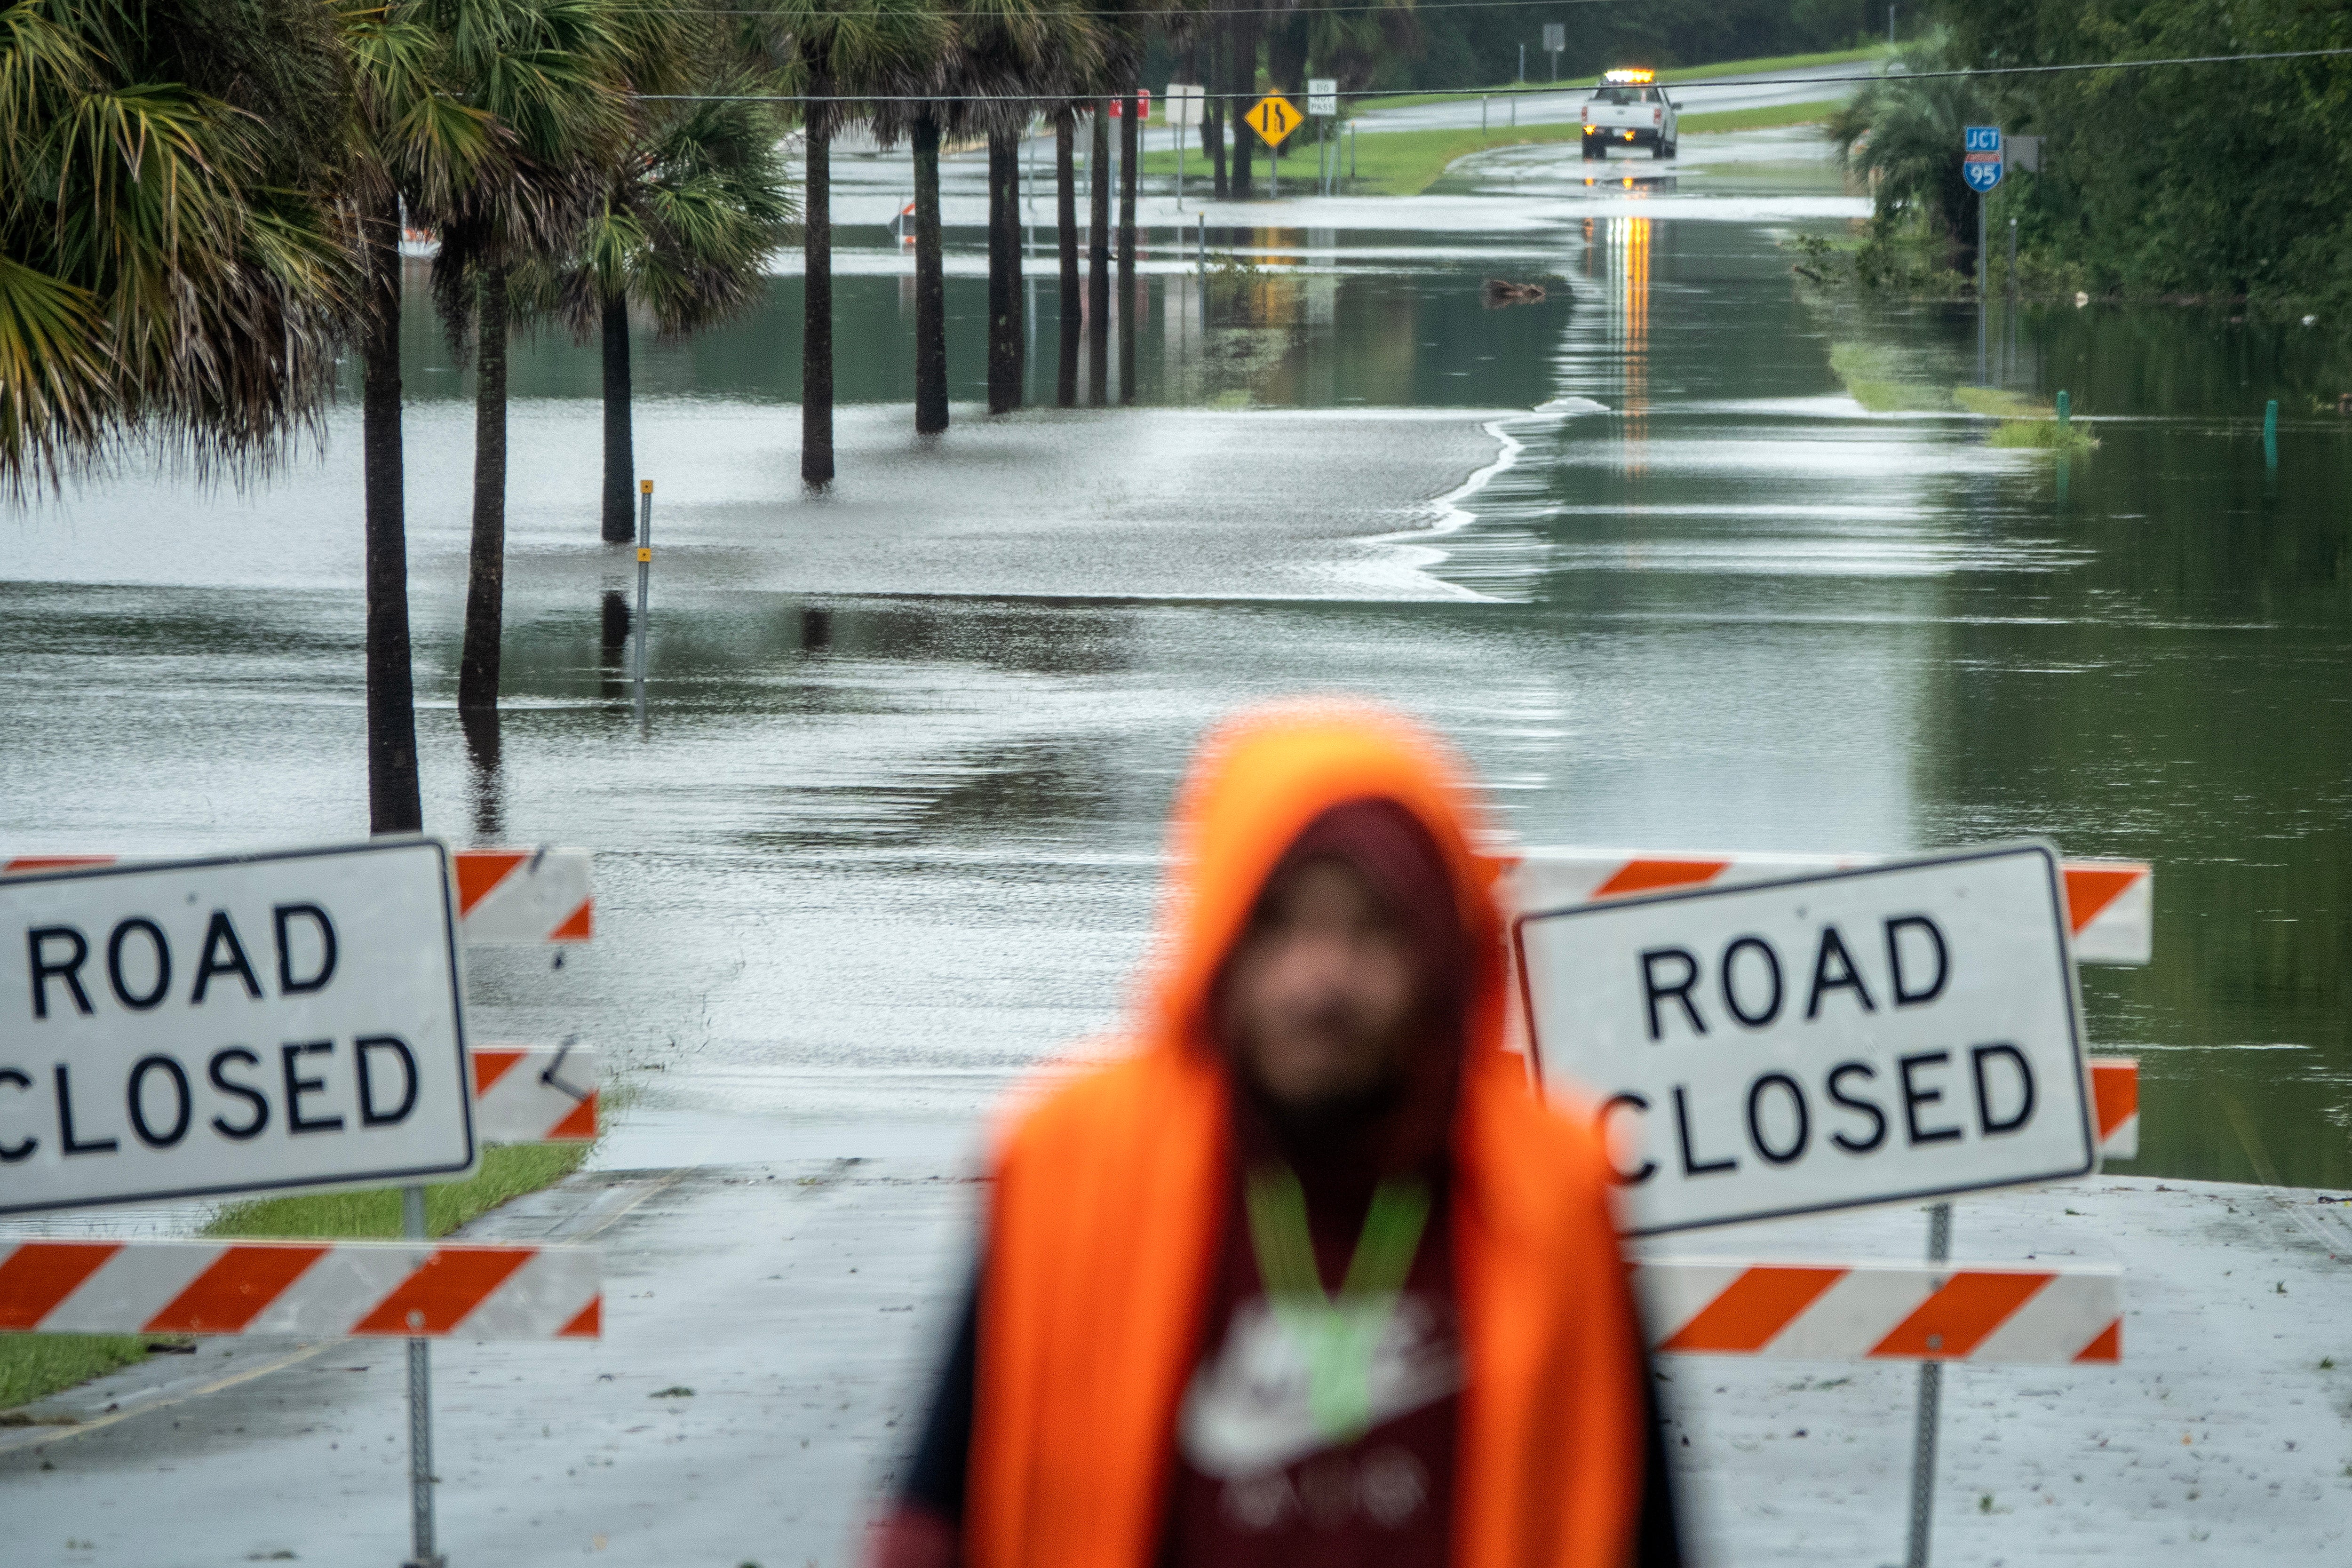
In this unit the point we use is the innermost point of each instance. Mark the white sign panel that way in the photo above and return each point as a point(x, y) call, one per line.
point(1184, 106)
point(231, 1025)
point(1900, 1031)
point(1323, 96)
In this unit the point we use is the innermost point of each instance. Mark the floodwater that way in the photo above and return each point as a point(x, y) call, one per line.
point(891, 835)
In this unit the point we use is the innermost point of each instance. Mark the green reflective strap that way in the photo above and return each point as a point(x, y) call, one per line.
point(1338, 1336)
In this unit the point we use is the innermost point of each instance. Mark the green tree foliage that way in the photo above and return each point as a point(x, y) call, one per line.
point(1476, 48)
point(172, 263)
point(1902, 137)
point(2230, 180)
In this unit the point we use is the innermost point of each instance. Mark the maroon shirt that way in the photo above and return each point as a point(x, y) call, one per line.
point(1255, 1485)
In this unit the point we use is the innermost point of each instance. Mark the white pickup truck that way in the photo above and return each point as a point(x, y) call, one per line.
point(1631, 110)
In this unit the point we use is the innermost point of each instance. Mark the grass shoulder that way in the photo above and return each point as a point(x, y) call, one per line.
point(1407, 162)
point(33, 1366)
point(1676, 73)
point(1387, 163)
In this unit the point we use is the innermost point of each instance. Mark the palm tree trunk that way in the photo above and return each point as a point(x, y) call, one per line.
point(1244, 65)
point(394, 802)
point(1066, 223)
point(1129, 158)
point(816, 294)
point(486, 571)
point(1217, 50)
point(930, 286)
point(1005, 356)
point(620, 458)
point(1098, 260)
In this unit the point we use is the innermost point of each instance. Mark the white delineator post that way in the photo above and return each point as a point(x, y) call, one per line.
point(645, 584)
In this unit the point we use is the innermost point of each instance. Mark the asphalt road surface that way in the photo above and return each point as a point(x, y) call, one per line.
point(1806, 84)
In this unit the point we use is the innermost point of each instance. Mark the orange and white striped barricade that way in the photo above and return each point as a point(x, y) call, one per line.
point(505, 897)
point(2111, 904)
point(535, 1094)
point(2115, 1101)
point(2017, 1315)
point(525, 896)
point(401, 1289)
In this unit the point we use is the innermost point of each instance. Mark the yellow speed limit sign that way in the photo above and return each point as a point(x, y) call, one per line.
point(1273, 118)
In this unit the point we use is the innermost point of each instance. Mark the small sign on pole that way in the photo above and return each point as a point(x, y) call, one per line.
point(1980, 157)
point(1904, 1031)
point(1273, 117)
point(234, 1024)
point(1555, 40)
point(1322, 96)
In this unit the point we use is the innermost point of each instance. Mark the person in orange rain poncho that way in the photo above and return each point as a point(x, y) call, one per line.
point(1308, 1276)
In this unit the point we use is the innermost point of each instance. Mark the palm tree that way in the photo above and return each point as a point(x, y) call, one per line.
point(840, 50)
point(1004, 50)
point(1065, 230)
point(172, 264)
point(551, 75)
point(1901, 135)
point(691, 209)
point(415, 144)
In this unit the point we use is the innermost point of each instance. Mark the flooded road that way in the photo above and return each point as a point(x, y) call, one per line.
point(892, 835)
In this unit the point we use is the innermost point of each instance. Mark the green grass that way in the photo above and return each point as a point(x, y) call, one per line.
point(508, 1171)
point(1406, 162)
point(1771, 117)
point(33, 1366)
point(1389, 164)
point(1876, 379)
point(1677, 73)
point(2000, 403)
point(2042, 435)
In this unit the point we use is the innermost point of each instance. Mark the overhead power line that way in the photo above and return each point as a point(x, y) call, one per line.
point(1115, 15)
point(1032, 97)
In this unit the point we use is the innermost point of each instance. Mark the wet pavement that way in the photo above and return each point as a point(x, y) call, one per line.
point(891, 838)
point(1755, 89)
point(770, 1329)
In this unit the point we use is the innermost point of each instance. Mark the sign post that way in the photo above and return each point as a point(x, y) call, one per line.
point(241, 1024)
point(1322, 106)
point(1879, 1034)
point(1273, 117)
point(1981, 164)
point(1554, 38)
point(1183, 111)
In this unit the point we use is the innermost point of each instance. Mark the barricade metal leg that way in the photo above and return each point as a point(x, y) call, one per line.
point(1931, 1396)
point(420, 1414)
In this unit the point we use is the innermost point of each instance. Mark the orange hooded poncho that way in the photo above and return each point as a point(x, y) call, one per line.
point(1103, 1222)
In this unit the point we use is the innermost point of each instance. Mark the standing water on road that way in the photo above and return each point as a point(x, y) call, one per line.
point(893, 835)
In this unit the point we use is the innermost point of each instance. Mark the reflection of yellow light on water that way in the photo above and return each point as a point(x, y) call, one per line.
point(1628, 253)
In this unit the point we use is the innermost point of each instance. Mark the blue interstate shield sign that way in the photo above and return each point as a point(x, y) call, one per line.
point(1981, 170)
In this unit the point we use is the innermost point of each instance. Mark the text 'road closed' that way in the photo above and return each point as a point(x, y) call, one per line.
point(1856, 1037)
point(230, 1026)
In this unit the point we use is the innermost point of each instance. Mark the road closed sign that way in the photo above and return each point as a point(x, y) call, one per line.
point(231, 1025)
point(1906, 1030)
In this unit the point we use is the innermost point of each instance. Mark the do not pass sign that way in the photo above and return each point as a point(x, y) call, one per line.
point(203, 1026)
point(1903, 1031)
